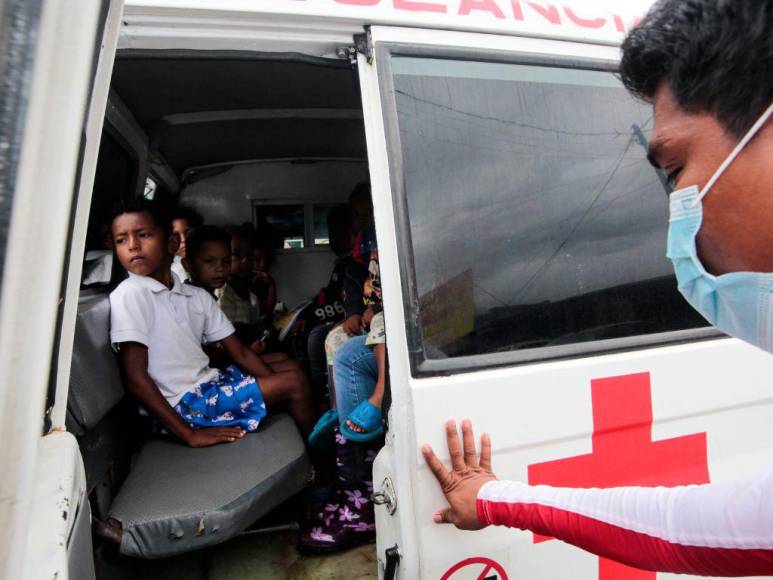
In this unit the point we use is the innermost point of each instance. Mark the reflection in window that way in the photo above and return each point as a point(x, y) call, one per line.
point(535, 218)
point(286, 221)
point(150, 189)
point(320, 224)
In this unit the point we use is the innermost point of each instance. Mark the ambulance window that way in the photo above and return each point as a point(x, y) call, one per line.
point(534, 220)
point(150, 188)
point(320, 224)
point(285, 219)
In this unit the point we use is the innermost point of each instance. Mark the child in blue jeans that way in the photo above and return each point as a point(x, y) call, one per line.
point(348, 518)
point(362, 422)
point(359, 370)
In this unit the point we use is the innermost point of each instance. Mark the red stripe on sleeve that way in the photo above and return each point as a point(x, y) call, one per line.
point(628, 547)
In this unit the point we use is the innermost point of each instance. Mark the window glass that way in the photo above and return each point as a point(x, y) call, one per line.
point(114, 180)
point(150, 188)
point(320, 224)
point(286, 221)
point(534, 216)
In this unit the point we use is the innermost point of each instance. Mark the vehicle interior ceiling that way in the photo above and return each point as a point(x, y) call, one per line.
point(230, 132)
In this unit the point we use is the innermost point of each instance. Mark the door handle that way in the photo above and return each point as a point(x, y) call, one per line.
point(392, 561)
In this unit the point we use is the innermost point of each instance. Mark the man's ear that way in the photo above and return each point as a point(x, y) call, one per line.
point(186, 264)
point(173, 244)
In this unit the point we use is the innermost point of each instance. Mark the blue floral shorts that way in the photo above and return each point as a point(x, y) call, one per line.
point(233, 399)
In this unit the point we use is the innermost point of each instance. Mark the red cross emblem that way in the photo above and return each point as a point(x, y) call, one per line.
point(625, 454)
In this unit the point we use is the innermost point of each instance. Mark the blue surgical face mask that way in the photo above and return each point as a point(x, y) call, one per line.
point(738, 303)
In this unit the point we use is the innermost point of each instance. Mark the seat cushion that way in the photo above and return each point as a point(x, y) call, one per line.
point(95, 383)
point(178, 499)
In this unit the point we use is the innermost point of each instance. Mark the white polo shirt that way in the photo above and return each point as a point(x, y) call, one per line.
point(173, 324)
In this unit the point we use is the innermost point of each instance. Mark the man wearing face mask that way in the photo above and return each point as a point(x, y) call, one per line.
point(707, 68)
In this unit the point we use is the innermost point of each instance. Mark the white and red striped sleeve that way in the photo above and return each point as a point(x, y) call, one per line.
point(716, 529)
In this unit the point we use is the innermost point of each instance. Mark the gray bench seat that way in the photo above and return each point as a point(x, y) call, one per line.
point(176, 498)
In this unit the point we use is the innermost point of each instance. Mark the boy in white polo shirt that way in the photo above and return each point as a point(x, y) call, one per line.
point(159, 324)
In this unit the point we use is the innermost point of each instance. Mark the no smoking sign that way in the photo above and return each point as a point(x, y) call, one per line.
point(476, 569)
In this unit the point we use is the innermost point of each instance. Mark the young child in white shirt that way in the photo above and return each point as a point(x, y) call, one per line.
point(184, 220)
point(159, 324)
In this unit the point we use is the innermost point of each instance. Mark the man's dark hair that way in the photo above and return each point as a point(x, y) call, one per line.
point(183, 212)
point(154, 209)
point(716, 56)
point(203, 234)
point(361, 191)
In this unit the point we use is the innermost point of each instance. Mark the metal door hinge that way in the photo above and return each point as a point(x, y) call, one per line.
point(386, 496)
point(364, 45)
point(347, 53)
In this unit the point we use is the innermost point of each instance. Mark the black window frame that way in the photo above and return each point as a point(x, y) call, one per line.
point(309, 207)
point(420, 364)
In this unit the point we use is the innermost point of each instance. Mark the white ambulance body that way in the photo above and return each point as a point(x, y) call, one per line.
point(521, 241)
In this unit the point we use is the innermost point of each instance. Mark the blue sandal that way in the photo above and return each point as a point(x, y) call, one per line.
point(366, 416)
point(321, 437)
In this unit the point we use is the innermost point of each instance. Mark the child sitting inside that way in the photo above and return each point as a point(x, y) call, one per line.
point(345, 520)
point(208, 259)
point(263, 284)
point(184, 220)
point(327, 307)
point(236, 298)
point(158, 325)
point(364, 421)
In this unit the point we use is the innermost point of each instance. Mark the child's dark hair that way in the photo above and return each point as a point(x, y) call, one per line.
point(139, 205)
point(339, 217)
point(183, 212)
point(361, 191)
point(203, 234)
point(244, 230)
point(257, 239)
point(261, 242)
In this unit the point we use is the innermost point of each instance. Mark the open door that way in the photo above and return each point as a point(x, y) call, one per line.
point(55, 59)
point(522, 247)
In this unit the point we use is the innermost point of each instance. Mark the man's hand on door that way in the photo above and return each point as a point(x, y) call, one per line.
point(468, 474)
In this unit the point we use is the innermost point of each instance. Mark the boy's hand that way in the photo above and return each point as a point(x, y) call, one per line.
point(258, 347)
point(467, 476)
point(353, 325)
point(244, 358)
point(213, 436)
point(298, 327)
point(264, 276)
point(367, 316)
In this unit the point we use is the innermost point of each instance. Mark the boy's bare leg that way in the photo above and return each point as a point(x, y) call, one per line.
point(274, 357)
point(287, 364)
point(290, 389)
point(377, 398)
point(378, 392)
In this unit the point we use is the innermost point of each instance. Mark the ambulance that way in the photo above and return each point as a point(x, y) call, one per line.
point(521, 235)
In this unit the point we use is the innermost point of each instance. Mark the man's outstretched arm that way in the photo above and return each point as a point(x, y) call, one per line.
point(723, 529)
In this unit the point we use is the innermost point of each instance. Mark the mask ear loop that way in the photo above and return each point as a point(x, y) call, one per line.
point(734, 153)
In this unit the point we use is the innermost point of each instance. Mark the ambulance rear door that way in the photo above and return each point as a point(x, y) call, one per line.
point(522, 239)
point(55, 64)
